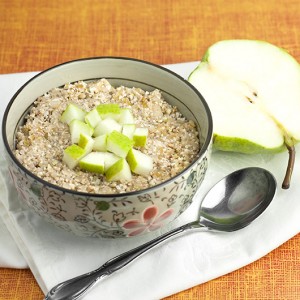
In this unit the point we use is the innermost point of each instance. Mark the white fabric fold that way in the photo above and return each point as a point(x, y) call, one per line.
point(54, 255)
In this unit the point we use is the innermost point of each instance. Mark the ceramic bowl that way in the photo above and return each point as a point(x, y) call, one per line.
point(117, 215)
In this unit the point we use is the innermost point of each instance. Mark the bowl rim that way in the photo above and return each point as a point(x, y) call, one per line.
point(201, 152)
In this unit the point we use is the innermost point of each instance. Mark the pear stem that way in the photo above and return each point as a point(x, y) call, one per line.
point(290, 167)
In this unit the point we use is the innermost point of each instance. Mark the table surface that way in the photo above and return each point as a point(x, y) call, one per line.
point(37, 34)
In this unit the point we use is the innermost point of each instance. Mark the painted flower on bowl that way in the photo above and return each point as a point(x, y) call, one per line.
point(150, 220)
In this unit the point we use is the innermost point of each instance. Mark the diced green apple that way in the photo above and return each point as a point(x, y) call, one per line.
point(140, 137)
point(77, 127)
point(111, 151)
point(139, 162)
point(92, 118)
point(128, 130)
point(106, 126)
point(119, 171)
point(93, 162)
point(110, 159)
point(119, 143)
point(126, 116)
point(100, 143)
point(86, 142)
point(111, 110)
point(72, 112)
point(72, 155)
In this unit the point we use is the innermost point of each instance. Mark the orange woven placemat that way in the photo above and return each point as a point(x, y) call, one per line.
point(38, 34)
point(273, 277)
point(35, 35)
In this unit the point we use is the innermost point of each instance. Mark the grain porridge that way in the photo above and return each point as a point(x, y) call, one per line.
point(172, 142)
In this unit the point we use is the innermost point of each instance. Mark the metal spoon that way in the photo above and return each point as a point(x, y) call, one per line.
point(233, 203)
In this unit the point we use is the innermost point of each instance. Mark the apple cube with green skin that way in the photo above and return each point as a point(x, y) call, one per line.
point(106, 122)
point(126, 116)
point(100, 143)
point(139, 162)
point(92, 118)
point(72, 112)
point(93, 162)
point(119, 171)
point(110, 159)
point(72, 155)
point(106, 126)
point(86, 142)
point(128, 130)
point(140, 137)
point(77, 127)
point(119, 143)
point(111, 111)
point(253, 91)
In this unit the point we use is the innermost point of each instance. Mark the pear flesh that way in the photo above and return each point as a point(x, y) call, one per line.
point(92, 118)
point(128, 130)
point(114, 136)
point(119, 144)
point(100, 143)
point(140, 137)
point(109, 160)
point(253, 91)
point(86, 142)
point(139, 162)
point(119, 171)
point(107, 126)
point(126, 116)
point(72, 155)
point(78, 127)
point(72, 112)
point(110, 110)
point(93, 162)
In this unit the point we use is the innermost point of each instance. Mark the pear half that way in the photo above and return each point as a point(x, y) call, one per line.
point(253, 90)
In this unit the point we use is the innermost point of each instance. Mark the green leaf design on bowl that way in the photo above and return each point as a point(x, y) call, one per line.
point(102, 205)
point(36, 189)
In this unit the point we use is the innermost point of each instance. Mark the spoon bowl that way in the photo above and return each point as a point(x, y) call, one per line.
point(232, 204)
point(238, 199)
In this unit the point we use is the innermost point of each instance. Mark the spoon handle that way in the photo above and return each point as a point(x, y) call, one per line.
point(75, 287)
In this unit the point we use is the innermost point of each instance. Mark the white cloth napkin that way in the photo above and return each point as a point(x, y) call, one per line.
point(54, 255)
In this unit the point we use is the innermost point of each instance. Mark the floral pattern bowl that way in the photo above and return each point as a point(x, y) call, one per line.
point(114, 215)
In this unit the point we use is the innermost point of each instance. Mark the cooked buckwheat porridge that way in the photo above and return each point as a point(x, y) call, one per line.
point(172, 142)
